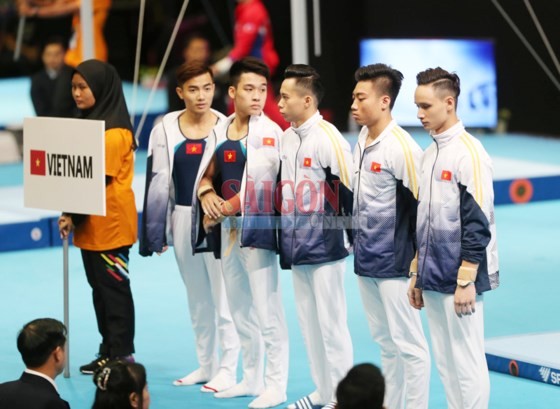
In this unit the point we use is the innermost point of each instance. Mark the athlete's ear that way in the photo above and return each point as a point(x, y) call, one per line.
point(386, 101)
point(450, 103)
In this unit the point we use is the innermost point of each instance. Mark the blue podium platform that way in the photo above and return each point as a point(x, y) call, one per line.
point(529, 356)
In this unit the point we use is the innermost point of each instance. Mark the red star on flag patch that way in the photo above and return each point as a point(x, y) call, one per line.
point(268, 141)
point(229, 156)
point(306, 162)
point(194, 148)
point(375, 167)
point(38, 163)
point(446, 175)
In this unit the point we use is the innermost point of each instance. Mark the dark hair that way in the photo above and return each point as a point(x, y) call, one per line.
point(306, 77)
point(362, 387)
point(387, 80)
point(441, 80)
point(54, 40)
point(247, 65)
point(115, 382)
point(38, 339)
point(191, 69)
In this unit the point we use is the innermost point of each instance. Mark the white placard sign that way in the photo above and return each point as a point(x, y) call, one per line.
point(64, 165)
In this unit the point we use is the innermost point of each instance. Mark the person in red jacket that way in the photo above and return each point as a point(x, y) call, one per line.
point(253, 37)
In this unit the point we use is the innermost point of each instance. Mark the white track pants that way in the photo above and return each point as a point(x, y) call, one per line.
point(397, 328)
point(210, 316)
point(321, 308)
point(458, 345)
point(255, 302)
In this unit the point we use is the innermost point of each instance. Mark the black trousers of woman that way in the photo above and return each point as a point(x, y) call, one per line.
point(107, 274)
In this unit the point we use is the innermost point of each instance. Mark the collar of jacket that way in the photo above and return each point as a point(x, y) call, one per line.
point(447, 136)
point(170, 119)
point(308, 125)
point(362, 137)
point(254, 122)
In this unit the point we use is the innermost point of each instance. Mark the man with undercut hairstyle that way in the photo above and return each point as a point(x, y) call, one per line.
point(387, 163)
point(316, 195)
point(42, 344)
point(237, 189)
point(457, 249)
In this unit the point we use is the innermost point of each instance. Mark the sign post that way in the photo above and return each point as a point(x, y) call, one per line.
point(64, 170)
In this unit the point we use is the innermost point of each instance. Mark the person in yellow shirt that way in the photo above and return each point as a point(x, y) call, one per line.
point(105, 241)
point(57, 8)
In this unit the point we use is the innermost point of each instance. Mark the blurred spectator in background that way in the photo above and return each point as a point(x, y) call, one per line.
point(51, 88)
point(253, 37)
point(57, 8)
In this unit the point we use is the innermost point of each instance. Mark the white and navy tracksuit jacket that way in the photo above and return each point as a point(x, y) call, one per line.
point(456, 213)
point(257, 191)
point(385, 189)
point(316, 190)
point(159, 197)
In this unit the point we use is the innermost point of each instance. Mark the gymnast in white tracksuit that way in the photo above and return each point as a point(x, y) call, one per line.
point(316, 194)
point(386, 163)
point(239, 184)
point(177, 147)
point(457, 248)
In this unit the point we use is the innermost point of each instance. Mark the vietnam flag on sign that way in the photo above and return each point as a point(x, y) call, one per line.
point(194, 148)
point(306, 162)
point(229, 156)
point(446, 175)
point(375, 167)
point(268, 141)
point(38, 162)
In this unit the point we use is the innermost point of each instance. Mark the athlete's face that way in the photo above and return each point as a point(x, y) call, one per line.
point(197, 93)
point(368, 104)
point(293, 101)
point(249, 95)
point(81, 92)
point(436, 109)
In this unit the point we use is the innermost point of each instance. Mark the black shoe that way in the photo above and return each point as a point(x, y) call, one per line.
point(90, 368)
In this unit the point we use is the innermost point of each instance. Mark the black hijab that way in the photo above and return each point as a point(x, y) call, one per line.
point(110, 105)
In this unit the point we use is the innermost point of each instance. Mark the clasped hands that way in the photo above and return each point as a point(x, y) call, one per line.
point(216, 209)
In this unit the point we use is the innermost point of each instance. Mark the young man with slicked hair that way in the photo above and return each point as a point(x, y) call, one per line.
point(316, 193)
point(457, 248)
point(237, 191)
point(387, 163)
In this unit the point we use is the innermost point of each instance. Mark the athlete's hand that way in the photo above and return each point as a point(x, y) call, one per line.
point(211, 205)
point(465, 299)
point(65, 226)
point(415, 294)
point(208, 223)
point(163, 250)
point(231, 207)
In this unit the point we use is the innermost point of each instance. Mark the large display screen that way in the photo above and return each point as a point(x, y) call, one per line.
point(472, 60)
